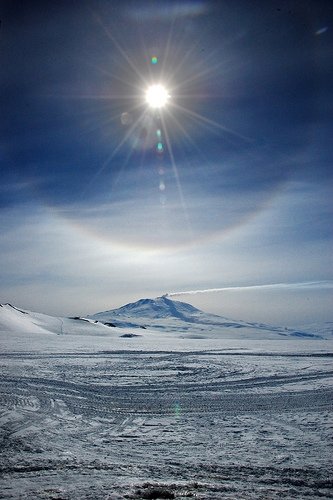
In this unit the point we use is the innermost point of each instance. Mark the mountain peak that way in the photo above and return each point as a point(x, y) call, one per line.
point(160, 307)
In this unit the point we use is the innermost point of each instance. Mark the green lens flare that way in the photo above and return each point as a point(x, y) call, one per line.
point(177, 408)
point(154, 60)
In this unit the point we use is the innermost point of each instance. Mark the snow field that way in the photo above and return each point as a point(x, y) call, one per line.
point(213, 424)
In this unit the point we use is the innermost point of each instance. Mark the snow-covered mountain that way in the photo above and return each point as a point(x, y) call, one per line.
point(146, 317)
point(17, 320)
point(151, 309)
point(14, 320)
point(163, 313)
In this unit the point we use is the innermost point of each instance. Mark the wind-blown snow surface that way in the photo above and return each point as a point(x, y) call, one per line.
point(87, 412)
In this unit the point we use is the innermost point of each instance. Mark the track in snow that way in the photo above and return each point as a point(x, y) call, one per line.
point(210, 424)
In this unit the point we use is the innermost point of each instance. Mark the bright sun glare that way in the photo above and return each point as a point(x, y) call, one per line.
point(157, 96)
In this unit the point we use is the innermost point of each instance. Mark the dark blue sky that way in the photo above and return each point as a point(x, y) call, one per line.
point(240, 194)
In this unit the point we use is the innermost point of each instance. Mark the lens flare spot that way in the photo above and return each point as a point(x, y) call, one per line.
point(159, 147)
point(162, 186)
point(154, 60)
point(177, 408)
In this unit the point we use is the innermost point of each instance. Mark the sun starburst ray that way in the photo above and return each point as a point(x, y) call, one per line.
point(122, 51)
point(212, 123)
point(177, 68)
point(128, 134)
point(177, 178)
point(199, 75)
point(114, 76)
point(167, 49)
point(183, 131)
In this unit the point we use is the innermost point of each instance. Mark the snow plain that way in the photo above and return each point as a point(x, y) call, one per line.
point(181, 408)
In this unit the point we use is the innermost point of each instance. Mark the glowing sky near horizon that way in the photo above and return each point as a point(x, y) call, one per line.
point(219, 177)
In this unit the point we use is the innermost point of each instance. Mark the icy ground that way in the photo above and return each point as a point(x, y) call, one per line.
point(156, 416)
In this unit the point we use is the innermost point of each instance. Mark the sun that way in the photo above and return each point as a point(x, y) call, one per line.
point(157, 96)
